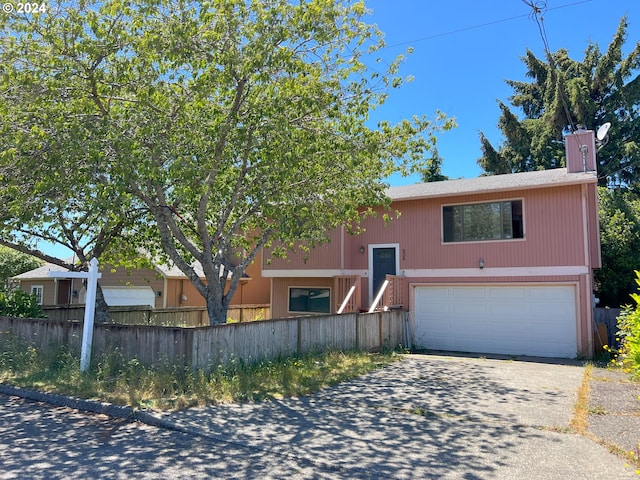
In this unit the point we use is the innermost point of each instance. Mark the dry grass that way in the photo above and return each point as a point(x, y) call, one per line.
point(580, 419)
point(114, 379)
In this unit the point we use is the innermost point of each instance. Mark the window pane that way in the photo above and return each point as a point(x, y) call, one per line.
point(319, 300)
point(38, 292)
point(298, 299)
point(507, 223)
point(310, 300)
point(482, 221)
point(458, 224)
point(448, 230)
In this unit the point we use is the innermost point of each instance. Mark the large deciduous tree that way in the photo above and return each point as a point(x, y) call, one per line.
point(564, 93)
point(234, 123)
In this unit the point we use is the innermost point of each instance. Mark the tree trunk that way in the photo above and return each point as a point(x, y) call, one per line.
point(217, 309)
point(102, 309)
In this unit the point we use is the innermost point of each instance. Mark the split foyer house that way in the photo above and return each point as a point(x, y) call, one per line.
point(498, 264)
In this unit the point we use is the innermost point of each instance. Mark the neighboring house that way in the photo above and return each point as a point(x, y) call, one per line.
point(160, 287)
point(497, 264)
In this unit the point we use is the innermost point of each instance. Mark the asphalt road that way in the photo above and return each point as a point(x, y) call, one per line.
point(425, 417)
point(38, 441)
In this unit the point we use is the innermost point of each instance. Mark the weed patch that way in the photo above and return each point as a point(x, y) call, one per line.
point(116, 379)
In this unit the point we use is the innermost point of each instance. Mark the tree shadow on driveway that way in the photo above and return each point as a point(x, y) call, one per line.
point(423, 417)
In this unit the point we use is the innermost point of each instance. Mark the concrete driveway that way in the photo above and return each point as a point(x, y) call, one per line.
point(427, 416)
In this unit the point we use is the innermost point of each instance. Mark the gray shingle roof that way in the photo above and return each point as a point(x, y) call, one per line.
point(41, 273)
point(493, 183)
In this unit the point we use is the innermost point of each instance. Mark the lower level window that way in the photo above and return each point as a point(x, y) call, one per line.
point(37, 291)
point(316, 300)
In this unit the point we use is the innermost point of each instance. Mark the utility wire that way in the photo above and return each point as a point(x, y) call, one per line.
point(473, 27)
point(538, 7)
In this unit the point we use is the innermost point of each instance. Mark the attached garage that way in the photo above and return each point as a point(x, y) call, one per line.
point(129, 296)
point(535, 320)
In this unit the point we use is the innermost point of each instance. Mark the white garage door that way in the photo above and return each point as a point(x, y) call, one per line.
point(124, 296)
point(513, 319)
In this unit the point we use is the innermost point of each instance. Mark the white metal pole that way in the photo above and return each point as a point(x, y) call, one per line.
point(89, 312)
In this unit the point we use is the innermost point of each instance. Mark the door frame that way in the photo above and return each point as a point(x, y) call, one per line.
point(372, 247)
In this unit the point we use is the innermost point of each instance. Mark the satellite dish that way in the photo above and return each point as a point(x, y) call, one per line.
point(601, 134)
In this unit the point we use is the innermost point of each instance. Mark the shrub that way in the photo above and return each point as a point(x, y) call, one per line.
point(628, 355)
point(16, 303)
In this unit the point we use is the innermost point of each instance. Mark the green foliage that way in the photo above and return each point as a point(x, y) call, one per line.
point(16, 303)
point(564, 93)
point(14, 263)
point(203, 130)
point(619, 217)
point(628, 355)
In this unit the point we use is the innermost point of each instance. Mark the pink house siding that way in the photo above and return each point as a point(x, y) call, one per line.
point(418, 230)
point(551, 217)
point(560, 244)
point(324, 257)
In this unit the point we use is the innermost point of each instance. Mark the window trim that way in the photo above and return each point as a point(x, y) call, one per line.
point(308, 287)
point(39, 297)
point(494, 240)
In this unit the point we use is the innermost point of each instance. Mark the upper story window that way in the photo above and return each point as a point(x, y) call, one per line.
point(483, 221)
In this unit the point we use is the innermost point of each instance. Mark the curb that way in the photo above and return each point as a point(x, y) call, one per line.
point(58, 400)
point(147, 418)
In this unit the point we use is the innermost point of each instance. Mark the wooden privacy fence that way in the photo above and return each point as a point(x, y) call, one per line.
point(609, 317)
point(207, 347)
point(167, 317)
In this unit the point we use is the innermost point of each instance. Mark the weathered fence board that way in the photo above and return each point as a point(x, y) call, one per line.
point(206, 347)
point(167, 317)
point(330, 331)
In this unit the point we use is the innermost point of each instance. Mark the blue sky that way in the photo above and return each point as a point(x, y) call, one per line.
point(463, 51)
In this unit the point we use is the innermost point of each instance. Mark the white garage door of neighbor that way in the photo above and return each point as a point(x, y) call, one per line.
point(513, 319)
point(121, 296)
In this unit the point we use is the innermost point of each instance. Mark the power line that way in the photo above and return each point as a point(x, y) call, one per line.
point(537, 8)
point(473, 27)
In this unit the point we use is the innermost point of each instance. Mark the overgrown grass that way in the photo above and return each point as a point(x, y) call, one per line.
point(114, 379)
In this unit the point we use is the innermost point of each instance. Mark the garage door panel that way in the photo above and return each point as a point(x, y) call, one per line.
point(467, 293)
point(127, 296)
point(505, 319)
point(513, 293)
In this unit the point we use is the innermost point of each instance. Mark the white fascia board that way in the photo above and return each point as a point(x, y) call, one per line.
point(311, 273)
point(497, 272)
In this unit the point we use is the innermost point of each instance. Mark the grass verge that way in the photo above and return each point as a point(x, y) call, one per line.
point(114, 379)
point(580, 421)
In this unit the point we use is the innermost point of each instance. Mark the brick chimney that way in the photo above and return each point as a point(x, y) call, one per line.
point(581, 151)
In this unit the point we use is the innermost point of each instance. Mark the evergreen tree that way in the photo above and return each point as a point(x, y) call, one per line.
point(433, 169)
point(565, 93)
